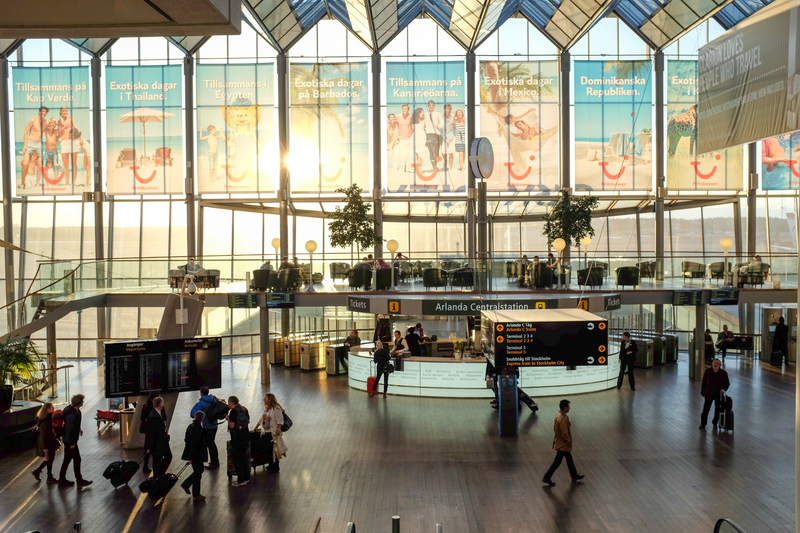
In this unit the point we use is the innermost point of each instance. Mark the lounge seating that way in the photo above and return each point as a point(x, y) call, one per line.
point(360, 277)
point(626, 275)
point(163, 156)
point(542, 276)
point(463, 277)
point(419, 268)
point(261, 279)
point(592, 277)
point(511, 270)
point(692, 270)
point(753, 275)
point(647, 269)
point(383, 279)
point(203, 279)
point(434, 277)
point(339, 270)
point(404, 270)
point(717, 270)
point(289, 279)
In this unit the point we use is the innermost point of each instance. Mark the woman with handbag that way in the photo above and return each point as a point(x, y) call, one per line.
point(46, 442)
point(381, 358)
point(272, 422)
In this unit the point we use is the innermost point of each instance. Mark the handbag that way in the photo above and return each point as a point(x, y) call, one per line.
point(287, 423)
point(390, 368)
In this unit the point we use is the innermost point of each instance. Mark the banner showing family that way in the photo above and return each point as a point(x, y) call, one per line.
point(52, 131)
point(236, 150)
point(686, 170)
point(613, 125)
point(426, 127)
point(144, 129)
point(519, 115)
point(329, 143)
point(780, 162)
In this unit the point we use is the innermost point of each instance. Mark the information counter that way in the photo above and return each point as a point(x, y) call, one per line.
point(445, 377)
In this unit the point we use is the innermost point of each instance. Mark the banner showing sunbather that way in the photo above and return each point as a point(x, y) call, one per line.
point(52, 131)
point(426, 127)
point(613, 125)
point(236, 145)
point(519, 115)
point(780, 162)
point(329, 143)
point(144, 129)
point(686, 170)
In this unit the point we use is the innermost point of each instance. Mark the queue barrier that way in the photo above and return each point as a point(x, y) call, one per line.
point(291, 347)
point(313, 353)
point(277, 351)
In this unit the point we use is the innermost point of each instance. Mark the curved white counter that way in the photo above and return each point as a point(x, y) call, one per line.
point(466, 378)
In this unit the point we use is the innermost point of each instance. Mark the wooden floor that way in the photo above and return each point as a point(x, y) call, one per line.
point(648, 468)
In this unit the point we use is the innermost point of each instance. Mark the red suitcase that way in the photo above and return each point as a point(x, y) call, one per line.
point(371, 383)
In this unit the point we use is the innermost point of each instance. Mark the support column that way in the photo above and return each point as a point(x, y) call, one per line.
point(697, 363)
point(263, 319)
point(377, 153)
point(97, 198)
point(188, 80)
point(565, 65)
point(283, 191)
point(483, 237)
point(661, 190)
point(752, 186)
point(52, 355)
point(737, 239)
point(471, 192)
point(8, 179)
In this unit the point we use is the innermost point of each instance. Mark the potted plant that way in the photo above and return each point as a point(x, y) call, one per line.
point(18, 358)
point(458, 350)
point(351, 223)
point(570, 219)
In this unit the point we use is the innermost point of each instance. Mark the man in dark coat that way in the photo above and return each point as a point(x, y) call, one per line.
point(157, 441)
point(781, 339)
point(195, 453)
point(238, 420)
point(715, 381)
point(72, 432)
point(627, 359)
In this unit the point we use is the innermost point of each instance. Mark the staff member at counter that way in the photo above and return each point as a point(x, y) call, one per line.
point(423, 350)
point(400, 344)
point(412, 341)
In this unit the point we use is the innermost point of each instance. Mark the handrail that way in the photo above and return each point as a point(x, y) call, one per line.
point(722, 521)
point(50, 373)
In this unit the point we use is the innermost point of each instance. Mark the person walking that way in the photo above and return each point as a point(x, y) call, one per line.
point(715, 381)
point(238, 420)
point(209, 426)
point(562, 443)
point(46, 442)
point(72, 432)
point(781, 339)
point(195, 453)
point(144, 425)
point(156, 441)
point(381, 358)
point(627, 359)
point(272, 423)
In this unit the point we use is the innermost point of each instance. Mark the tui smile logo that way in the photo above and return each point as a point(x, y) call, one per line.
point(792, 163)
point(235, 179)
point(701, 175)
point(52, 181)
point(143, 181)
point(611, 176)
point(336, 176)
point(519, 176)
point(423, 177)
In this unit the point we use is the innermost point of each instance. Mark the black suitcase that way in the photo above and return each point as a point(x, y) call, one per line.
point(776, 358)
point(260, 448)
point(121, 472)
point(162, 484)
point(726, 413)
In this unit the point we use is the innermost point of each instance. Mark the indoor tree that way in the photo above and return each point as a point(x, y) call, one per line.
point(570, 219)
point(351, 223)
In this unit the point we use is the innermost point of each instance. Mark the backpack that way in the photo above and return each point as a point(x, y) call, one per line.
point(217, 411)
point(58, 423)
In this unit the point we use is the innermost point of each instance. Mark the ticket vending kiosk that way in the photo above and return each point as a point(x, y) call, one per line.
point(791, 321)
point(769, 319)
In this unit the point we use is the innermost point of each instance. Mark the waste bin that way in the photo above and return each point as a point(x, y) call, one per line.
point(125, 423)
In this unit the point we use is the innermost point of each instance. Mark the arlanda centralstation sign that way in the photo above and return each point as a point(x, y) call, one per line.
point(474, 307)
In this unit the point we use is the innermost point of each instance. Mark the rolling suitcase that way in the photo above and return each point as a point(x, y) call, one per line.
point(121, 472)
point(776, 358)
point(371, 383)
point(261, 449)
point(726, 413)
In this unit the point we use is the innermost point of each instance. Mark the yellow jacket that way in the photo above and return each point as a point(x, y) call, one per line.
point(562, 441)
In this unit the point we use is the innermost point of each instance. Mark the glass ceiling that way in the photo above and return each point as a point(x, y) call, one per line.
point(286, 20)
point(738, 10)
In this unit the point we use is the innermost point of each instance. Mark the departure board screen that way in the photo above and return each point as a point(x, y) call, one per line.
point(550, 343)
point(280, 300)
point(134, 368)
point(242, 300)
point(686, 297)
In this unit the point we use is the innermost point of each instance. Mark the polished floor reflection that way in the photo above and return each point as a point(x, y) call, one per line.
point(648, 468)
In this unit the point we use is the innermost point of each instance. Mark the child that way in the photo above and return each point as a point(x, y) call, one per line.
point(51, 138)
point(86, 148)
point(212, 149)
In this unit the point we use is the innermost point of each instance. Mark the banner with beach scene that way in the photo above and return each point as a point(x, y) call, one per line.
point(780, 162)
point(613, 125)
point(426, 139)
point(236, 145)
point(329, 143)
point(52, 130)
point(519, 115)
point(144, 129)
point(720, 170)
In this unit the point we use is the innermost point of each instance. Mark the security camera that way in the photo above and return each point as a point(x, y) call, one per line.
point(188, 283)
point(192, 289)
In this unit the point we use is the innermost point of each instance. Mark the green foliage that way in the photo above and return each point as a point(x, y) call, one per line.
point(570, 219)
point(351, 224)
point(18, 358)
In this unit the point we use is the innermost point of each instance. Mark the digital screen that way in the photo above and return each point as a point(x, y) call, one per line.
point(550, 343)
point(135, 368)
point(242, 300)
point(686, 297)
point(280, 300)
point(724, 297)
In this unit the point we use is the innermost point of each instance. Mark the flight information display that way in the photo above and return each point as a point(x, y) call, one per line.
point(280, 300)
point(724, 297)
point(134, 368)
point(687, 297)
point(242, 300)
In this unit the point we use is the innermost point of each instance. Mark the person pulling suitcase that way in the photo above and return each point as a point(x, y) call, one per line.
point(195, 453)
point(715, 381)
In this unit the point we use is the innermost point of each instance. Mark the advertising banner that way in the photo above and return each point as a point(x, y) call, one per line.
point(750, 80)
point(236, 147)
point(613, 125)
point(330, 126)
point(780, 162)
point(144, 129)
point(52, 131)
point(519, 115)
point(426, 135)
point(686, 169)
